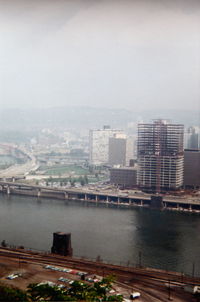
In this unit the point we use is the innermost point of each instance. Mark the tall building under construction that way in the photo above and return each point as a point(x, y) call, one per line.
point(160, 156)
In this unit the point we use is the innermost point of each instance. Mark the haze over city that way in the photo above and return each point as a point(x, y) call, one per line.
point(136, 55)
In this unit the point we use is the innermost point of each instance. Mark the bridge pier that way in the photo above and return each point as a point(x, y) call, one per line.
point(38, 193)
point(8, 190)
point(66, 195)
point(153, 201)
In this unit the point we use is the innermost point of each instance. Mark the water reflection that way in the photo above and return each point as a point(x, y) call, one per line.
point(166, 240)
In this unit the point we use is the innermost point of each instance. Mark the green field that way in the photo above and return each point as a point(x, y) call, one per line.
point(64, 169)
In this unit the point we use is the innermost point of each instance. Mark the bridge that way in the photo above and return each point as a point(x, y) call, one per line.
point(191, 204)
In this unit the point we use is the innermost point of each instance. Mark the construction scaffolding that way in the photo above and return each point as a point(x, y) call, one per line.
point(160, 156)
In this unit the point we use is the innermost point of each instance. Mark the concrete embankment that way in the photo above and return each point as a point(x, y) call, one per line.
point(108, 198)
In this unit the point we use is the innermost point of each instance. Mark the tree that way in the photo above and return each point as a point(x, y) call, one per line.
point(78, 291)
point(116, 298)
point(3, 243)
point(91, 169)
point(38, 292)
point(86, 179)
point(12, 294)
point(72, 182)
point(98, 259)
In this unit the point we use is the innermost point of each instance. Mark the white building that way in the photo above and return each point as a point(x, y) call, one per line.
point(99, 144)
point(192, 138)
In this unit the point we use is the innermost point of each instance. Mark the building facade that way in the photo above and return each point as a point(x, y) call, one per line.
point(99, 144)
point(192, 138)
point(120, 150)
point(125, 177)
point(192, 168)
point(160, 156)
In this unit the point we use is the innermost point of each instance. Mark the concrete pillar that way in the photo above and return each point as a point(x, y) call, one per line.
point(8, 190)
point(85, 197)
point(66, 195)
point(118, 200)
point(107, 199)
point(96, 198)
point(141, 202)
point(129, 201)
point(190, 207)
point(38, 193)
point(62, 244)
point(177, 206)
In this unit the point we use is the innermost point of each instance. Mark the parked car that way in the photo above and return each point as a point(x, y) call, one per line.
point(134, 295)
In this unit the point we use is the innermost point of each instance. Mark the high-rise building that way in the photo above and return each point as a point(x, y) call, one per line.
point(192, 138)
point(99, 144)
point(120, 150)
point(160, 156)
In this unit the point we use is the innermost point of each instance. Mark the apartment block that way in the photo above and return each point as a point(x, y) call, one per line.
point(99, 144)
point(160, 156)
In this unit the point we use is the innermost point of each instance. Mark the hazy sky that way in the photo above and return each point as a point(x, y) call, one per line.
point(130, 54)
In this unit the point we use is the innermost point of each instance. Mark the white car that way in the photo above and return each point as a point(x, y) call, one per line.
point(13, 276)
point(134, 295)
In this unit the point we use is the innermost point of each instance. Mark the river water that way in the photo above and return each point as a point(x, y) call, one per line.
point(163, 239)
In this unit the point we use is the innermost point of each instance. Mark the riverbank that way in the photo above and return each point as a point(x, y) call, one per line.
point(172, 203)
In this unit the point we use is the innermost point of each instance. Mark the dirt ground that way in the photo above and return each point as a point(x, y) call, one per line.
point(36, 273)
point(30, 273)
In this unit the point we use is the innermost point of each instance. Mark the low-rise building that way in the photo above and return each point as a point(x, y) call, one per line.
point(125, 177)
point(192, 168)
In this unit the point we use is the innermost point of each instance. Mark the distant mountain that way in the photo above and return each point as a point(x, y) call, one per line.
point(86, 117)
point(186, 117)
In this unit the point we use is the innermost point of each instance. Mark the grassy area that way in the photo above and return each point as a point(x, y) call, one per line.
point(71, 173)
point(64, 169)
point(65, 180)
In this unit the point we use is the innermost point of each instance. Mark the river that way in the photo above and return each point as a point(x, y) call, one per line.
point(163, 239)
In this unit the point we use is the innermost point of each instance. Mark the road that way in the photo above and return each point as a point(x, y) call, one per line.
point(20, 170)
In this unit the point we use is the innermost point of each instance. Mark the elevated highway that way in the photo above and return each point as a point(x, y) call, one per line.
point(103, 197)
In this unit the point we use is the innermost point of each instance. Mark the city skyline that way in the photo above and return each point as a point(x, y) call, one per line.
point(100, 146)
